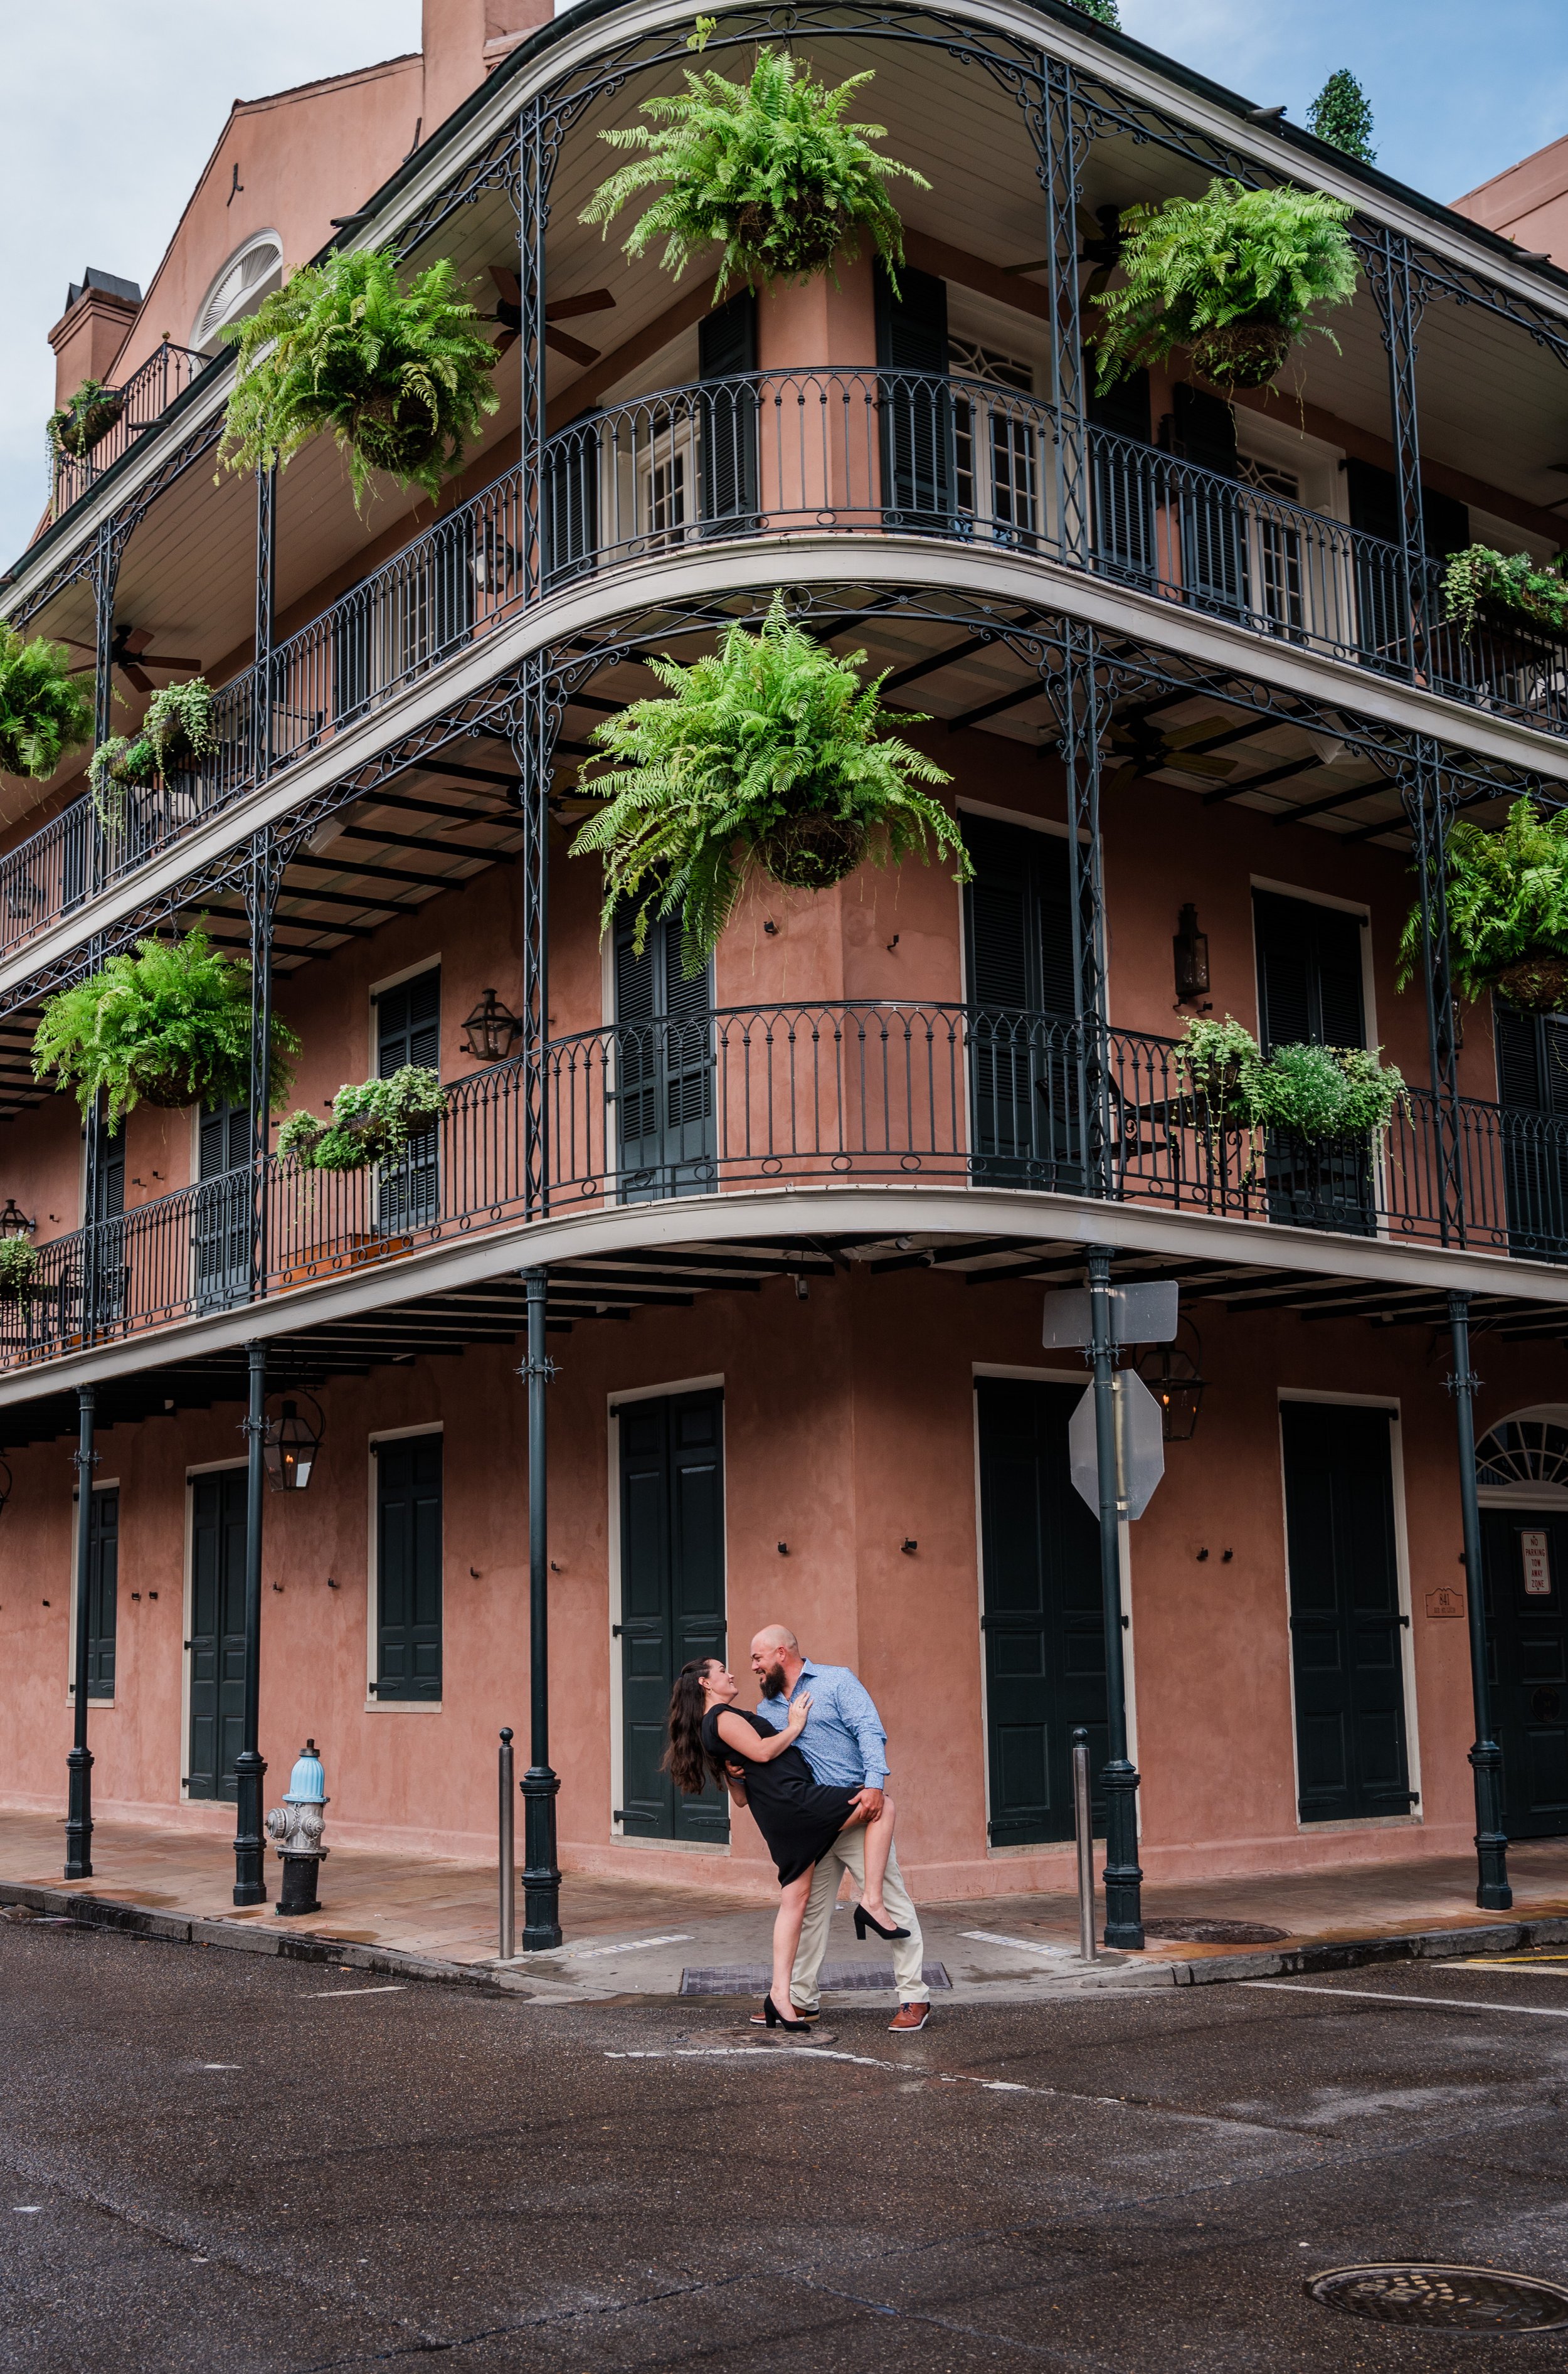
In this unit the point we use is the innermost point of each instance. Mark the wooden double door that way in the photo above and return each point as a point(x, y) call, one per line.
point(1525, 1564)
point(217, 1645)
point(672, 1597)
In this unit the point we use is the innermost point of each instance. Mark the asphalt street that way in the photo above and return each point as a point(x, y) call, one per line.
point(213, 2159)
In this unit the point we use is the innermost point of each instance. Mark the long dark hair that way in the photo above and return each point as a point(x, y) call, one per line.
point(685, 1759)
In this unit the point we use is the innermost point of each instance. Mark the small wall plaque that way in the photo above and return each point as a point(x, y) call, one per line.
point(1535, 1551)
point(1444, 1601)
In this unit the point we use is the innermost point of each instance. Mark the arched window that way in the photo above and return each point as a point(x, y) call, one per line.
point(251, 273)
point(1526, 1456)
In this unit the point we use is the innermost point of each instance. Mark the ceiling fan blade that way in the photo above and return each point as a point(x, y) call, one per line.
point(164, 659)
point(574, 347)
point(1123, 777)
point(1180, 735)
point(76, 642)
point(1098, 280)
point(133, 640)
point(593, 301)
point(133, 675)
point(1038, 265)
point(506, 282)
point(1222, 767)
point(506, 341)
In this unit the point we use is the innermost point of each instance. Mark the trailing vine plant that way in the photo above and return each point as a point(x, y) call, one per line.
point(770, 756)
point(1232, 276)
point(168, 1026)
point(373, 1120)
point(45, 710)
point(176, 731)
point(1507, 902)
point(1514, 581)
point(77, 427)
point(767, 169)
point(400, 376)
point(1304, 1091)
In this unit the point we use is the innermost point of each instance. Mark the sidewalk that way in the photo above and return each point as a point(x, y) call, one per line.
point(627, 1938)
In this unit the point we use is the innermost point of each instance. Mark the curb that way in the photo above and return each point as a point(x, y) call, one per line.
point(1216, 1969)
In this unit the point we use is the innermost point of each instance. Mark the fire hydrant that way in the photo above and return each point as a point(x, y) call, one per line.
point(295, 1829)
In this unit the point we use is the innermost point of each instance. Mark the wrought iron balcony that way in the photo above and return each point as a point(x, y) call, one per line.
point(125, 413)
point(953, 1096)
point(802, 454)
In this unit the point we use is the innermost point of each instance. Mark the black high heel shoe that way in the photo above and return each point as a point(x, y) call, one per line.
point(863, 1920)
point(774, 2017)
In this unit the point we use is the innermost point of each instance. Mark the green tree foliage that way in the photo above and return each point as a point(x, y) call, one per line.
point(771, 754)
point(1340, 115)
point(1195, 268)
point(44, 708)
point(400, 376)
point(768, 168)
point(1104, 12)
point(168, 1026)
point(1507, 899)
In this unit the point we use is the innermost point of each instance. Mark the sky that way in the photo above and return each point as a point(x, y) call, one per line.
point(108, 113)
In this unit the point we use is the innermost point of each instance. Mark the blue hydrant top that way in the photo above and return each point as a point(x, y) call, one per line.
point(307, 1783)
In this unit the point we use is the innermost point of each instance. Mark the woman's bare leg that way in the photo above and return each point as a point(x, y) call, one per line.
point(878, 1847)
point(787, 1937)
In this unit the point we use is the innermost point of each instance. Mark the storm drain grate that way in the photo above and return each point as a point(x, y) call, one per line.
point(1215, 1933)
point(1467, 2299)
point(752, 1978)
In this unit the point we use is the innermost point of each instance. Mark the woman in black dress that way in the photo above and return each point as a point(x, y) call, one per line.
point(800, 1817)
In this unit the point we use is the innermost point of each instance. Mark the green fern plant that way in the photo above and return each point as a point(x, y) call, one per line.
point(77, 427)
point(400, 376)
point(1478, 576)
point(373, 1120)
point(769, 168)
point(45, 710)
point(772, 756)
point(1232, 276)
point(18, 1269)
point(168, 1026)
point(1507, 902)
point(1301, 1090)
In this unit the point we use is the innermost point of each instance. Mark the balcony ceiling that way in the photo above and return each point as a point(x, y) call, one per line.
point(620, 1286)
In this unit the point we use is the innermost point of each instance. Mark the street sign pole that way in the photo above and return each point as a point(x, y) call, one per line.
point(1124, 1880)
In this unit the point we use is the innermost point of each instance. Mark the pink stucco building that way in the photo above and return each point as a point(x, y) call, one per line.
point(786, 1230)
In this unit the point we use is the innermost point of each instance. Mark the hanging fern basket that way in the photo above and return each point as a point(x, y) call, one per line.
point(811, 852)
point(1241, 354)
point(398, 433)
point(85, 423)
point(1538, 981)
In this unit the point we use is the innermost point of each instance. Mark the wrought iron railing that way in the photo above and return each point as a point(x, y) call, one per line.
point(804, 1095)
point(127, 413)
point(802, 452)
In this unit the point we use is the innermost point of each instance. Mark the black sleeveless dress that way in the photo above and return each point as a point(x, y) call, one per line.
point(800, 1817)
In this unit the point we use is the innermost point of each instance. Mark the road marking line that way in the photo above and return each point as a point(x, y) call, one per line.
point(1427, 2003)
point(1505, 1962)
point(222, 2064)
point(335, 1994)
point(1018, 1944)
point(27, 2209)
point(795, 2055)
point(633, 1946)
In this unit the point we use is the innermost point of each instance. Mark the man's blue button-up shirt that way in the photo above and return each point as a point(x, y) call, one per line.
point(844, 1739)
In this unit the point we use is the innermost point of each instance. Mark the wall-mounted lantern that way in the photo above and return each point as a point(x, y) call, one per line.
point(1174, 1376)
point(491, 1029)
point(1190, 948)
point(290, 1447)
point(14, 1223)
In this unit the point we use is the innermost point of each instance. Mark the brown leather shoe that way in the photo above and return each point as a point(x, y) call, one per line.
point(910, 2016)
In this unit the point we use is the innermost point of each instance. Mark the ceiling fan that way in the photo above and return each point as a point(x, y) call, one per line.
point(509, 313)
point(1102, 235)
point(128, 652)
point(1144, 750)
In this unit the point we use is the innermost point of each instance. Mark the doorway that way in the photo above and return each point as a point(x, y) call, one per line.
point(1525, 1561)
point(672, 1597)
point(1042, 1621)
point(217, 1646)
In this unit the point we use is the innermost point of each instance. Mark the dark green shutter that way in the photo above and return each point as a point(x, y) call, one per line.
point(409, 1031)
point(104, 1572)
point(1043, 1631)
point(408, 1548)
point(1345, 1629)
point(664, 1083)
point(672, 1597)
point(1532, 1090)
point(918, 450)
point(1201, 430)
point(218, 1530)
point(1528, 1644)
point(569, 499)
point(727, 350)
point(224, 1215)
point(1123, 483)
point(1018, 935)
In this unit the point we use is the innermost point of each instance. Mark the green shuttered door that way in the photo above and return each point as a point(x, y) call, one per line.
point(408, 1568)
point(672, 1595)
point(1044, 1637)
point(1345, 1621)
point(103, 1574)
point(1525, 1554)
point(218, 1631)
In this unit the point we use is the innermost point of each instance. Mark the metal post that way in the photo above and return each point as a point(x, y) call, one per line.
point(533, 747)
point(508, 1948)
point(541, 1877)
point(1083, 1829)
point(266, 612)
point(1426, 803)
point(1493, 1891)
point(78, 1764)
point(536, 166)
point(249, 1878)
point(265, 881)
point(1123, 1921)
point(1399, 290)
point(1060, 143)
point(1078, 710)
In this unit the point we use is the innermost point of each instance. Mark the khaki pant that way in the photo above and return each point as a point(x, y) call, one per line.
point(848, 1853)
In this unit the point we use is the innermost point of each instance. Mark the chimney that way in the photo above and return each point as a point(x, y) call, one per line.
point(100, 315)
point(462, 41)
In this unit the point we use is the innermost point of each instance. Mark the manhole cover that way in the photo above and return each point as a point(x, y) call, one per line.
point(1467, 2299)
point(1215, 1933)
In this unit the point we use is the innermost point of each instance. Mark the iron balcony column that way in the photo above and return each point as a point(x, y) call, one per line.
point(266, 612)
point(105, 572)
point(1124, 1880)
point(249, 1880)
point(1078, 695)
point(78, 1764)
point(533, 742)
point(1399, 290)
point(263, 886)
point(1060, 143)
point(538, 140)
point(1428, 806)
point(540, 1786)
point(1493, 1892)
